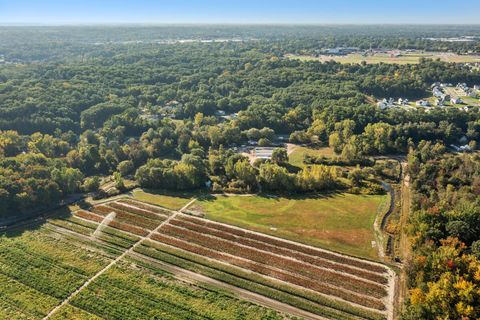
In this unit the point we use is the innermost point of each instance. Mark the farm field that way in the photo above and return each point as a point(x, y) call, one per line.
point(177, 266)
point(405, 58)
point(41, 268)
point(340, 222)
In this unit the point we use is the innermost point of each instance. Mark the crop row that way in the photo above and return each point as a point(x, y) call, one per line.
point(149, 295)
point(290, 245)
point(320, 262)
point(267, 271)
point(20, 297)
point(150, 214)
point(70, 233)
point(126, 217)
point(73, 313)
point(46, 278)
point(283, 292)
point(9, 310)
point(340, 281)
point(115, 224)
point(115, 237)
point(144, 206)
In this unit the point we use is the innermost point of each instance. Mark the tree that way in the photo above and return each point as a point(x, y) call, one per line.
point(119, 182)
point(91, 184)
point(263, 142)
point(126, 167)
point(335, 142)
point(280, 156)
point(246, 173)
point(476, 249)
point(275, 178)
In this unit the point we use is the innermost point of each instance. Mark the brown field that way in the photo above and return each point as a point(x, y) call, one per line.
point(405, 58)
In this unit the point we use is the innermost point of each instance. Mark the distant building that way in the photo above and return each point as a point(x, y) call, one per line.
point(439, 102)
point(463, 148)
point(437, 92)
point(456, 100)
point(263, 152)
point(422, 103)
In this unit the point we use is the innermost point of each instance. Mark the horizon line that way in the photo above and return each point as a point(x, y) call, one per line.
point(272, 23)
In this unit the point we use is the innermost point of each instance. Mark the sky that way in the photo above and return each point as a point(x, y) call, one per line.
point(239, 11)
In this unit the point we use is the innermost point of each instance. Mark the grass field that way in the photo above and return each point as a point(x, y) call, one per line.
point(167, 200)
point(406, 58)
point(340, 222)
point(299, 152)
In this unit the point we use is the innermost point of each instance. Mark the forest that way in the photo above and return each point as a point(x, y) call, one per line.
point(150, 110)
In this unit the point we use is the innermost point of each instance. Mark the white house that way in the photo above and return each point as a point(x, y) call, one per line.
point(456, 100)
point(422, 103)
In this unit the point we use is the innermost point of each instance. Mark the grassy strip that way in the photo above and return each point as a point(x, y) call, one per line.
point(302, 299)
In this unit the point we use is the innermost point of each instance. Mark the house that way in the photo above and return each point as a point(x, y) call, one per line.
point(463, 148)
point(220, 113)
point(439, 102)
point(386, 104)
point(471, 93)
point(422, 103)
point(456, 100)
point(437, 92)
point(383, 104)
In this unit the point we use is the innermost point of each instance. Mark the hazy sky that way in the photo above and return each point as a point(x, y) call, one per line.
point(239, 11)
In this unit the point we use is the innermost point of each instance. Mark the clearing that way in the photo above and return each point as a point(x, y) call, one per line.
point(404, 58)
point(296, 153)
point(341, 222)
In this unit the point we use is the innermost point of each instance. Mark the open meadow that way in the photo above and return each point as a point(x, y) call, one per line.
point(126, 259)
point(297, 154)
point(341, 222)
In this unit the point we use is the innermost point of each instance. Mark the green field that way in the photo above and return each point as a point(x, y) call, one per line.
point(299, 152)
point(405, 58)
point(340, 222)
point(170, 201)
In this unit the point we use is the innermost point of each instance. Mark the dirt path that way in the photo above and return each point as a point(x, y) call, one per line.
point(404, 246)
point(114, 262)
point(290, 148)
